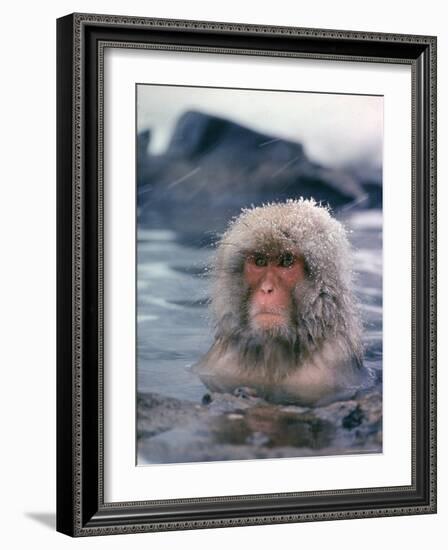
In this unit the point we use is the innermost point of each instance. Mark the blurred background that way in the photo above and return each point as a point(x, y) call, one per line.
point(203, 153)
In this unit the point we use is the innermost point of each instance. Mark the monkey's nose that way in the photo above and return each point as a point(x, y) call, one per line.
point(267, 287)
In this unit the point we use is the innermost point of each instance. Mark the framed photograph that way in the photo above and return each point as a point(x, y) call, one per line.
point(246, 274)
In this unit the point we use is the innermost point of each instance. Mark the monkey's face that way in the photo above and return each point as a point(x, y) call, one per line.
point(272, 279)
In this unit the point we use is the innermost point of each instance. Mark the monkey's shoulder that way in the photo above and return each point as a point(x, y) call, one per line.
point(318, 378)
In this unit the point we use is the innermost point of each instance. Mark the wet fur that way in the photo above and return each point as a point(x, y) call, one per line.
point(317, 355)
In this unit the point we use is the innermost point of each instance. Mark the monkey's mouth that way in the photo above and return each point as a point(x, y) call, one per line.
point(268, 317)
point(266, 310)
point(267, 314)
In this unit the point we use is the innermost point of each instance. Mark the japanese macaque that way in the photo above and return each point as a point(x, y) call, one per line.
point(286, 320)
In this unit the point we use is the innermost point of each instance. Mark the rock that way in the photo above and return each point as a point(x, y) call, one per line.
point(353, 419)
point(229, 427)
point(213, 167)
point(207, 399)
point(245, 393)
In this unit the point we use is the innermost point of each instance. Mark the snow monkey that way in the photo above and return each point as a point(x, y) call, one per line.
point(286, 320)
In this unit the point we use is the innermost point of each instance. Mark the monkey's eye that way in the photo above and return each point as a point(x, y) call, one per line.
point(260, 260)
point(286, 259)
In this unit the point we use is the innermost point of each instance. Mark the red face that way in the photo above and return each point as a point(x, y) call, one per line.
point(272, 279)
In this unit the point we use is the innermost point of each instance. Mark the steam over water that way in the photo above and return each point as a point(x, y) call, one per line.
point(173, 329)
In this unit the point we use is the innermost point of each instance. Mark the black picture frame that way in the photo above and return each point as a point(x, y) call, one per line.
point(81, 510)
